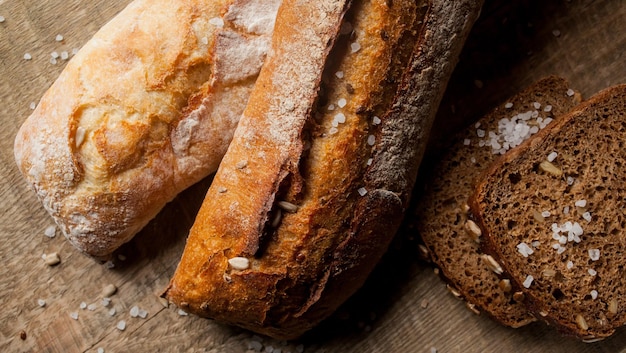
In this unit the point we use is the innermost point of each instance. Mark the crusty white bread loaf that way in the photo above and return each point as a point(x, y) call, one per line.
point(441, 215)
point(319, 172)
point(145, 109)
point(552, 215)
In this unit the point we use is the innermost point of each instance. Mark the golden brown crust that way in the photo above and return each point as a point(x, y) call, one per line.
point(343, 154)
point(144, 110)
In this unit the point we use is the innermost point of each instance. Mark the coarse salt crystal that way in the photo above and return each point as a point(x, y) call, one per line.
point(340, 118)
point(376, 120)
point(545, 214)
point(83, 305)
point(528, 281)
point(371, 140)
point(587, 216)
point(54, 54)
point(65, 55)
point(58, 38)
point(112, 311)
point(217, 21)
point(552, 156)
point(74, 315)
point(480, 133)
point(594, 294)
point(537, 105)
point(239, 263)
point(569, 265)
point(467, 142)
point(362, 191)
point(547, 108)
point(535, 243)
point(91, 307)
point(105, 302)
point(477, 125)
point(143, 313)
point(369, 161)
point(333, 130)
point(53, 61)
point(473, 160)
point(581, 203)
point(182, 312)
point(255, 346)
point(524, 249)
point(50, 232)
point(134, 311)
point(508, 105)
point(570, 180)
point(594, 254)
point(566, 210)
point(109, 265)
point(41, 302)
point(27, 56)
point(354, 47)
point(100, 350)
point(342, 102)
point(331, 107)
point(121, 325)
point(339, 74)
point(561, 249)
point(32, 105)
point(570, 92)
point(592, 272)
point(2, 19)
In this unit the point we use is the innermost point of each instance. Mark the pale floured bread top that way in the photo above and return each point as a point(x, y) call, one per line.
point(146, 108)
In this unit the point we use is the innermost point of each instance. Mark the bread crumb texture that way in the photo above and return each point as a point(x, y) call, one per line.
point(582, 248)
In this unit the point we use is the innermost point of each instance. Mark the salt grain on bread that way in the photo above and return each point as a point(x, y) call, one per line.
point(586, 297)
point(441, 216)
point(144, 110)
point(302, 267)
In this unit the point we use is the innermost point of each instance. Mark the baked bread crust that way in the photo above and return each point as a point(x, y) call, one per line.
point(321, 167)
point(568, 263)
point(144, 110)
point(442, 219)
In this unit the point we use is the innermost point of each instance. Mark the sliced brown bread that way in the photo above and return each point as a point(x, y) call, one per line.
point(441, 216)
point(553, 215)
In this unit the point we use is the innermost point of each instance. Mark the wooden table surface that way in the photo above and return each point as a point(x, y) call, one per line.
point(404, 307)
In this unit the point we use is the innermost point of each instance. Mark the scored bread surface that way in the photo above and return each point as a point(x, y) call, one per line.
point(441, 215)
point(553, 216)
point(318, 175)
point(144, 110)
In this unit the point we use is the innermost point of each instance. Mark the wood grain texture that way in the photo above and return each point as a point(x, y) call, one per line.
point(404, 307)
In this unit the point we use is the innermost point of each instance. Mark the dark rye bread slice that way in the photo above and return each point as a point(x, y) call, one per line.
point(441, 213)
point(553, 214)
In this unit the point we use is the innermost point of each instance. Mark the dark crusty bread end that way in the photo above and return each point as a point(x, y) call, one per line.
point(552, 214)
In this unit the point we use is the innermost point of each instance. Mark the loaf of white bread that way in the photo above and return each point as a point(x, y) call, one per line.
point(321, 165)
point(144, 110)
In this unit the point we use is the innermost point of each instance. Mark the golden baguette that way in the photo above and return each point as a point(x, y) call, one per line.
point(321, 167)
